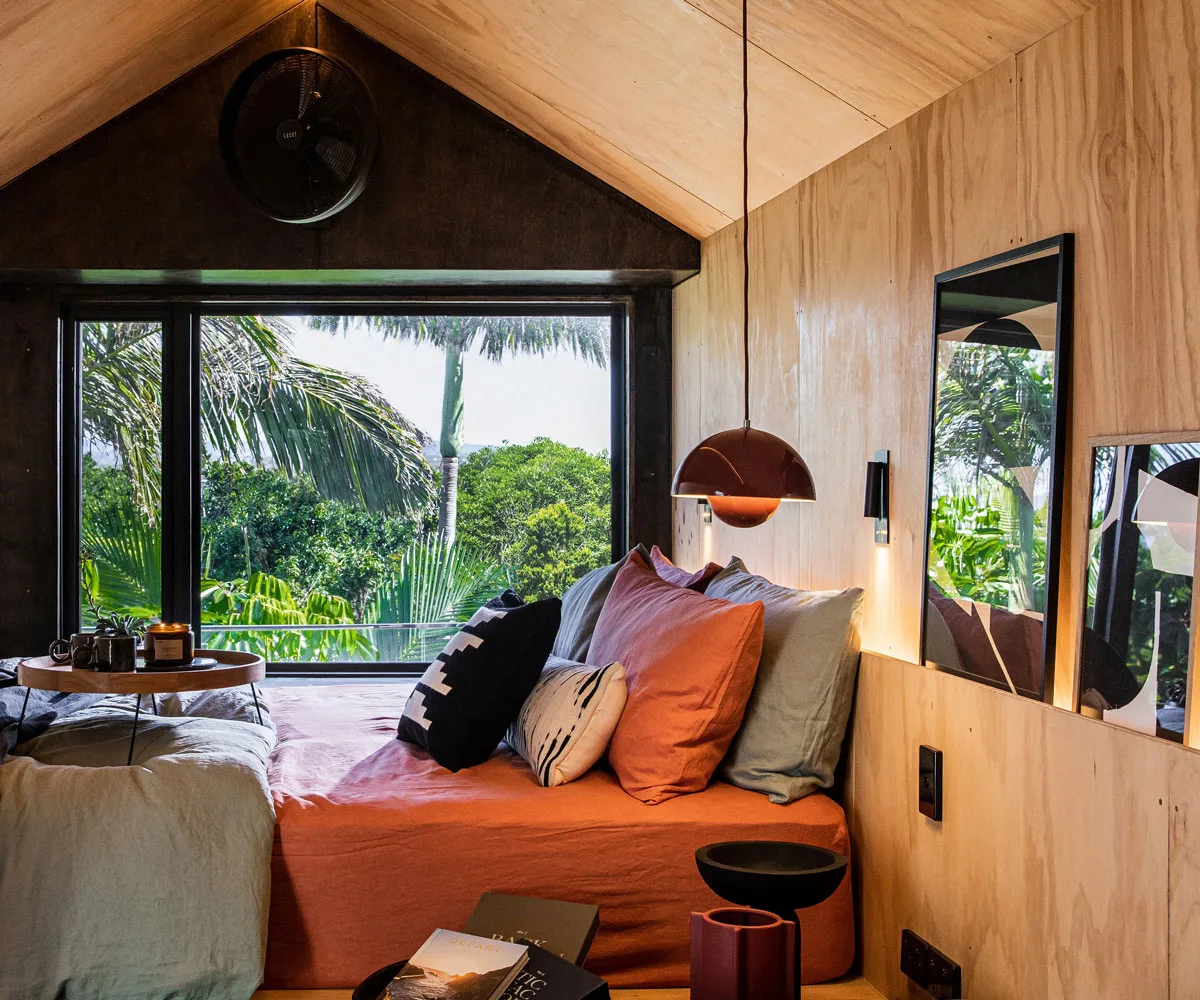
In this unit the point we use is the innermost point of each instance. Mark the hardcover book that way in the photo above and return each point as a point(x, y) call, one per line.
point(566, 929)
point(548, 977)
point(451, 965)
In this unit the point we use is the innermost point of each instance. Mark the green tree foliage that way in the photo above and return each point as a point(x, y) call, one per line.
point(495, 338)
point(503, 488)
point(260, 521)
point(559, 544)
point(258, 399)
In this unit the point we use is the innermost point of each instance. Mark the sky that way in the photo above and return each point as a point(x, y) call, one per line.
point(558, 396)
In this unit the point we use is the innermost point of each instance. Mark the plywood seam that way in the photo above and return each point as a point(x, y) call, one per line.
point(795, 69)
point(348, 16)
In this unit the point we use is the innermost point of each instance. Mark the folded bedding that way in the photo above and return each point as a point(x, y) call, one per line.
point(32, 710)
point(146, 882)
point(377, 845)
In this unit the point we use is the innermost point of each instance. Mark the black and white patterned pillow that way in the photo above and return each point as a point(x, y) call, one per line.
point(567, 720)
point(473, 690)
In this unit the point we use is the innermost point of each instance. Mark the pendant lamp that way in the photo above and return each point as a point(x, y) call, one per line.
point(744, 473)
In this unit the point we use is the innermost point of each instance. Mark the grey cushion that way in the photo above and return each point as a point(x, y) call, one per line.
point(581, 606)
point(791, 736)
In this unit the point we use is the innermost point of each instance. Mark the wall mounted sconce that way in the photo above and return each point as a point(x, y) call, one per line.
point(876, 502)
point(705, 510)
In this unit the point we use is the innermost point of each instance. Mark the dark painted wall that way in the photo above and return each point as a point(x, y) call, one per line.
point(456, 195)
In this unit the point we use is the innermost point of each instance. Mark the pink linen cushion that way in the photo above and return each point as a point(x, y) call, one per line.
point(690, 663)
point(697, 581)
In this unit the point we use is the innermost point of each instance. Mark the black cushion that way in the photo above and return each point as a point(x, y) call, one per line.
point(473, 690)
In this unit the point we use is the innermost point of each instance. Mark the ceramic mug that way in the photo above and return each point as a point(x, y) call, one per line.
point(116, 653)
point(60, 651)
point(83, 650)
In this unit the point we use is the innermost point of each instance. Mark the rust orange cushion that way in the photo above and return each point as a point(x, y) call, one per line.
point(690, 663)
point(681, 577)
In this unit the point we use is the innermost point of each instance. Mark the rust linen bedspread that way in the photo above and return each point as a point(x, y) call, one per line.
point(376, 845)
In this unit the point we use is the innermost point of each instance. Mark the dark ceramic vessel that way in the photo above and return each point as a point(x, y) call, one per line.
point(774, 875)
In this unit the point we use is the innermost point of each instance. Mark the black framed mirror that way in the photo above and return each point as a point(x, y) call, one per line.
point(1001, 342)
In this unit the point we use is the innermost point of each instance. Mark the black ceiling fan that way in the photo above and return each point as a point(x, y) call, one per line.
point(298, 134)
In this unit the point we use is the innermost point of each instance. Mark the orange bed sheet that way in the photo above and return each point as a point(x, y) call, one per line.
point(376, 845)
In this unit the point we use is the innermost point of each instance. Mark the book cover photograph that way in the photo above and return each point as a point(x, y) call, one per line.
point(566, 929)
point(452, 965)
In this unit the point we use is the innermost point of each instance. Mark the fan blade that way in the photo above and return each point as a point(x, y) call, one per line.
point(338, 156)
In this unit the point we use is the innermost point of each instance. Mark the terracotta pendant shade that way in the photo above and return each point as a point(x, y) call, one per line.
point(744, 474)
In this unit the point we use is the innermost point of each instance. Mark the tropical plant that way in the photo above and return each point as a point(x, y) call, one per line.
point(434, 582)
point(267, 600)
point(995, 416)
point(257, 400)
point(111, 623)
point(259, 520)
point(122, 560)
point(494, 337)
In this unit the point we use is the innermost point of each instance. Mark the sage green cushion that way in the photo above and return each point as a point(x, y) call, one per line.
point(791, 736)
point(581, 606)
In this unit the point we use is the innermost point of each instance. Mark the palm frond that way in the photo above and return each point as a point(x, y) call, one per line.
point(123, 562)
point(306, 418)
point(433, 582)
point(495, 337)
point(258, 400)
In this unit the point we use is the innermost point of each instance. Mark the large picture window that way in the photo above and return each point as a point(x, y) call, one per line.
point(343, 489)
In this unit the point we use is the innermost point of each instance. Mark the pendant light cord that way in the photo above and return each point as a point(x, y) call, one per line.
point(746, 210)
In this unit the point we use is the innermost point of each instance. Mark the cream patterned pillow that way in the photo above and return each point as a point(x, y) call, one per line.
point(566, 722)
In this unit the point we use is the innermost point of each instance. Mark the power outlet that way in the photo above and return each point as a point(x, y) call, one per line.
point(929, 968)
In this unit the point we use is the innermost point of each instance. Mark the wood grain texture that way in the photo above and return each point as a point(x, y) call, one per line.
point(453, 190)
point(890, 59)
point(71, 65)
point(1060, 873)
point(645, 95)
point(234, 669)
point(659, 81)
point(1049, 873)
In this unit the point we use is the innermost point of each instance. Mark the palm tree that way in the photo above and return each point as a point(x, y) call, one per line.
point(495, 337)
point(995, 416)
point(257, 400)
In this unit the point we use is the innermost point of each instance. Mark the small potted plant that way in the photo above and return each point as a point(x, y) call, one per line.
point(116, 637)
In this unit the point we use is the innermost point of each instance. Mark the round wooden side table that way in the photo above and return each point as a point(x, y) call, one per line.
point(233, 669)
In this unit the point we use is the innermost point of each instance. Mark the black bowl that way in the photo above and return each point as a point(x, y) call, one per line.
point(773, 875)
point(373, 986)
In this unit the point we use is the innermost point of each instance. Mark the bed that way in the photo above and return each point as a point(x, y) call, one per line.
point(376, 845)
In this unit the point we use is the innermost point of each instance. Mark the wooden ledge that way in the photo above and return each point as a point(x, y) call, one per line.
point(845, 989)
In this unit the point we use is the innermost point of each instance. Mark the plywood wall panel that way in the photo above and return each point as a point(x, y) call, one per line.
point(1047, 876)
point(1067, 865)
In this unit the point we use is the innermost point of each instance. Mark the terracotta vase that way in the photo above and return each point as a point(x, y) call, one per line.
point(742, 954)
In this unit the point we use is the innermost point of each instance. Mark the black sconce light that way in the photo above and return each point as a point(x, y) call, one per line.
point(876, 502)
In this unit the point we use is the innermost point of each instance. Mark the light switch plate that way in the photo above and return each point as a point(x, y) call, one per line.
point(929, 783)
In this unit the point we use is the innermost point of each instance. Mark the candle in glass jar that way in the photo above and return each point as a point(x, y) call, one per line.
point(170, 644)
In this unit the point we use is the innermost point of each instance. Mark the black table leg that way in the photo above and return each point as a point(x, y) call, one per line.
point(137, 709)
point(154, 703)
point(21, 720)
point(789, 916)
point(254, 694)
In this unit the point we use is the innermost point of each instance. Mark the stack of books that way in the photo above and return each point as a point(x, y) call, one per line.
point(513, 948)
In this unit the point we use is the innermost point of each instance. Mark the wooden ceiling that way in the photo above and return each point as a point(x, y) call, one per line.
point(645, 94)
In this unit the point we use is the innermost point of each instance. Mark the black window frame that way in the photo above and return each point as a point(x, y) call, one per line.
point(181, 439)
